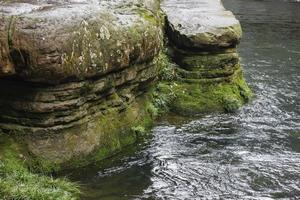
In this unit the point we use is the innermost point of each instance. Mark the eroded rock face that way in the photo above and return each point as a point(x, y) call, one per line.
point(201, 24)
point(49, 41)
point(203, 36)
point(73, 73)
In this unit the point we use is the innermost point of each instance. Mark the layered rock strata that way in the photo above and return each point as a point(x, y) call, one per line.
point(74, 75)
point(203, 38)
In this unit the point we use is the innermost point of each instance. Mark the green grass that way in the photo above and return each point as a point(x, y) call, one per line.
point(22, 175)
point(18, 183)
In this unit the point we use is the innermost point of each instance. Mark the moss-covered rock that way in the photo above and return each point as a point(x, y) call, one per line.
point(197, 98)
point(207, 75)
point(110, 133)
point(77, 77)
point(62, 123)
point(203, 61)
point(26, 162)
point(206, 82)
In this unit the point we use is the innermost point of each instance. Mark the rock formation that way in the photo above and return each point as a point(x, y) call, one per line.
point(76, 79)
point(203, 38)
point(76, 75)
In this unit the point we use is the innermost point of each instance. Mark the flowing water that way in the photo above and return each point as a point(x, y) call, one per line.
point(253, 154)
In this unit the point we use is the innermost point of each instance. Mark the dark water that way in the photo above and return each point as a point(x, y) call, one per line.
point(253, 154)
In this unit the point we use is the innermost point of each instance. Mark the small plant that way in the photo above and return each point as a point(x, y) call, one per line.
point(168, 72)
point(139, 130)
point(152, 110)
point(231, 104)
point(18, 182)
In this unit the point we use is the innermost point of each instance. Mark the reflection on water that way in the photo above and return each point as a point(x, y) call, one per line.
point(253, 154)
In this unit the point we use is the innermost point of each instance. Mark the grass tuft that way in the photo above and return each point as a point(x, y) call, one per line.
point(18, 183)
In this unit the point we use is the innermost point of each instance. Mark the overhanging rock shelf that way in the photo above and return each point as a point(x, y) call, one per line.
point(75, 75)
point(203, 38)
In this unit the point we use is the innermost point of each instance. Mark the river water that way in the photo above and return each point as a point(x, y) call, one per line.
point(252, 154)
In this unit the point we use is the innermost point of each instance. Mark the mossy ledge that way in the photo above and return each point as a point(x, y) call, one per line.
point(192, 98)
point(77, 81)
point(80, 86)
point(206, 71)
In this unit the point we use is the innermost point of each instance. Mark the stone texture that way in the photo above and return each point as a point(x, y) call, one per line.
point(31, 108)
point(50, 41)
point(73, 73)
point(202, 42)
point(203, 24)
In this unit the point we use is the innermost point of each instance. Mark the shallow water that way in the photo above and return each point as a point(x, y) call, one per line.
point(253, 154)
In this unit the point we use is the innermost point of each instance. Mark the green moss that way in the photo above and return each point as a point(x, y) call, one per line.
point(17, 182)
point(201, 75)
point(196, 98)
point(148, 15)
point(139, 130)
point(154, 16)
point(168, 71)
point(117, 129)
point(163, 96)
point(208, 61)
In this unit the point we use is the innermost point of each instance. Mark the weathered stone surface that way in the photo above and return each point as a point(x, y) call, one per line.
point(35, 109)
point(76, 74)
point(203, 24)
point(202, 40)
point(72, 74)
point(200, 60)
point(49, 41)
point(65, 122)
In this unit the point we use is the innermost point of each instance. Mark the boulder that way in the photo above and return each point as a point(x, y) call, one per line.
point(51, 41)
point(201, 24)
point(75, 75)
point(202, 42)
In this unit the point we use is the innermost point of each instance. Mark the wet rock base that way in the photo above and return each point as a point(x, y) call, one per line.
point(207, 72)
point(208, 82)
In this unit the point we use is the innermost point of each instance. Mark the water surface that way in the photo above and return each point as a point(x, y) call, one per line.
point(253, 154)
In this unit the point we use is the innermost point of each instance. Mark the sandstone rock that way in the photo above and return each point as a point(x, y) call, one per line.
point(201, 24)
point(50, 41)
point(202, 40)
point(72, 74)
point(75, 75)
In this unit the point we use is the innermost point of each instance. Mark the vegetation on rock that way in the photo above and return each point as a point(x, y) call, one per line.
point(18, 182)
point(95, 84)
